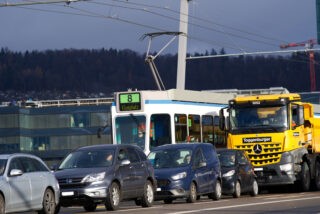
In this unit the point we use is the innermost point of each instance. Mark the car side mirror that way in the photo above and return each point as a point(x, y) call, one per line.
point(54, 167)
point(16, 172)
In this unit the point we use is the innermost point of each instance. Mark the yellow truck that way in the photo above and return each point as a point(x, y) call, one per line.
point(279, 133)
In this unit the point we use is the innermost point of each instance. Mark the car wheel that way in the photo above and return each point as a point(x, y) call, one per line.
point(216, 195)
point(168, 201)
point(137, 202)
point(113, 197)
point(255, 188)
point(2, 204)
point(192, 193)
point(148, 195)
point(90, 207)
point(48, 202)
point(58, 207)
point(237, 190)
point(305, 177)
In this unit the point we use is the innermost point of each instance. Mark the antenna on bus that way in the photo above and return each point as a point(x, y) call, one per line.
point(150, 58)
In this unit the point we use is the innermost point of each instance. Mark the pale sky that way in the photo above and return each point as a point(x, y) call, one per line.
point(236, 25)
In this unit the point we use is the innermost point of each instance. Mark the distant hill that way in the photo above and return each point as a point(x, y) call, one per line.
point(93, 72)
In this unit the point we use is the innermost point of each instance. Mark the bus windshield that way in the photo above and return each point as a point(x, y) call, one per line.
point(131, 130)
point(250, 118)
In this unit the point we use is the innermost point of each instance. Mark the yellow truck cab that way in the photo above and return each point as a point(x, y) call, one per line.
point(280, 135)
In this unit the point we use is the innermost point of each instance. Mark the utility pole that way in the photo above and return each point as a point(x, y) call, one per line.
point(182, 45)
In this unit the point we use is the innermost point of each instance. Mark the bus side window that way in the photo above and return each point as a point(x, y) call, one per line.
point(160, 130)
point(207, 128)
point(219, 139)
point(194, 128)
point(180, 121)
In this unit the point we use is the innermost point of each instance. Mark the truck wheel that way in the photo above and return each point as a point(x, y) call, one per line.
point(317, 176)
point(305, 177)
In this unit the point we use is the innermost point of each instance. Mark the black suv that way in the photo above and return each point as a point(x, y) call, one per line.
point(106, 174)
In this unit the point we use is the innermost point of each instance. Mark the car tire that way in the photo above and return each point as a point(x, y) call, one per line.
point(216, 195)
point(2, 204)
point(168, 201)
point(237, 189)
point(192, 193)
point(148, 195)
point(137, 202)
point(305, 177)
point(58, 207)
point(48, 203)
point(255, 188)
point(90, 207)
point(113, 197)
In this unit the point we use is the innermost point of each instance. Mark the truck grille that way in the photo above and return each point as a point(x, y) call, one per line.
point(270, 153)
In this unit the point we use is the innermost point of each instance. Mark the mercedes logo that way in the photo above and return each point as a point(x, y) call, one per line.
point(257, 148)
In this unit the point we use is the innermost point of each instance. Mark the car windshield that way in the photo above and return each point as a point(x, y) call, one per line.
point(227, 159)
point(170, 158)
point(3, 163)
point(88, 159)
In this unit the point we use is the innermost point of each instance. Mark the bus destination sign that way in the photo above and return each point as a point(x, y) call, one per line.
point(129, 101)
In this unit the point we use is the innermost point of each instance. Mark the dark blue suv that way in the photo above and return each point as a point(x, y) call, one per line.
point(106, 174)
point(186, 170)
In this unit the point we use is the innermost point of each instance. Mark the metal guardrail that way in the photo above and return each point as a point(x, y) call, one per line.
point(57, 103)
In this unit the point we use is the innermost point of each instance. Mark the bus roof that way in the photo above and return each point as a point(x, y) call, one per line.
point(186, 95)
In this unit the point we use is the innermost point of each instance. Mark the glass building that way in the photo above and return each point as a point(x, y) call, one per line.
point(51, 129)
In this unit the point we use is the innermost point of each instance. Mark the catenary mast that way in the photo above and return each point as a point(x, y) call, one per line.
point(182, 45)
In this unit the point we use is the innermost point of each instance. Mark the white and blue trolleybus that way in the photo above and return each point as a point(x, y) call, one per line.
point(153, 118)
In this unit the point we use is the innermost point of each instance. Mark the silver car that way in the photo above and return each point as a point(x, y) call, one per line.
point(26, 184)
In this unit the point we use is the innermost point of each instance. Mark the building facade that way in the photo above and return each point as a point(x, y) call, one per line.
point(51, 129)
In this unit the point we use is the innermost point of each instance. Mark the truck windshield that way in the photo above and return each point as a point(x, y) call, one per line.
point(131, 130)
point(268, 118)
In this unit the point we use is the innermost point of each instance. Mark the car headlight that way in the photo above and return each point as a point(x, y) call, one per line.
point(179, 176)
point(94, 177)
point(286, 167)
point(229, 174)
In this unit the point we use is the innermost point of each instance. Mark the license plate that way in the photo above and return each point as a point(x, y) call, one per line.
point(158, 189)
point(258, 169)
point(67, 193)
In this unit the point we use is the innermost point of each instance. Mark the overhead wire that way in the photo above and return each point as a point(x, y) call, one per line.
point(97, 15)
point(221, 44)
